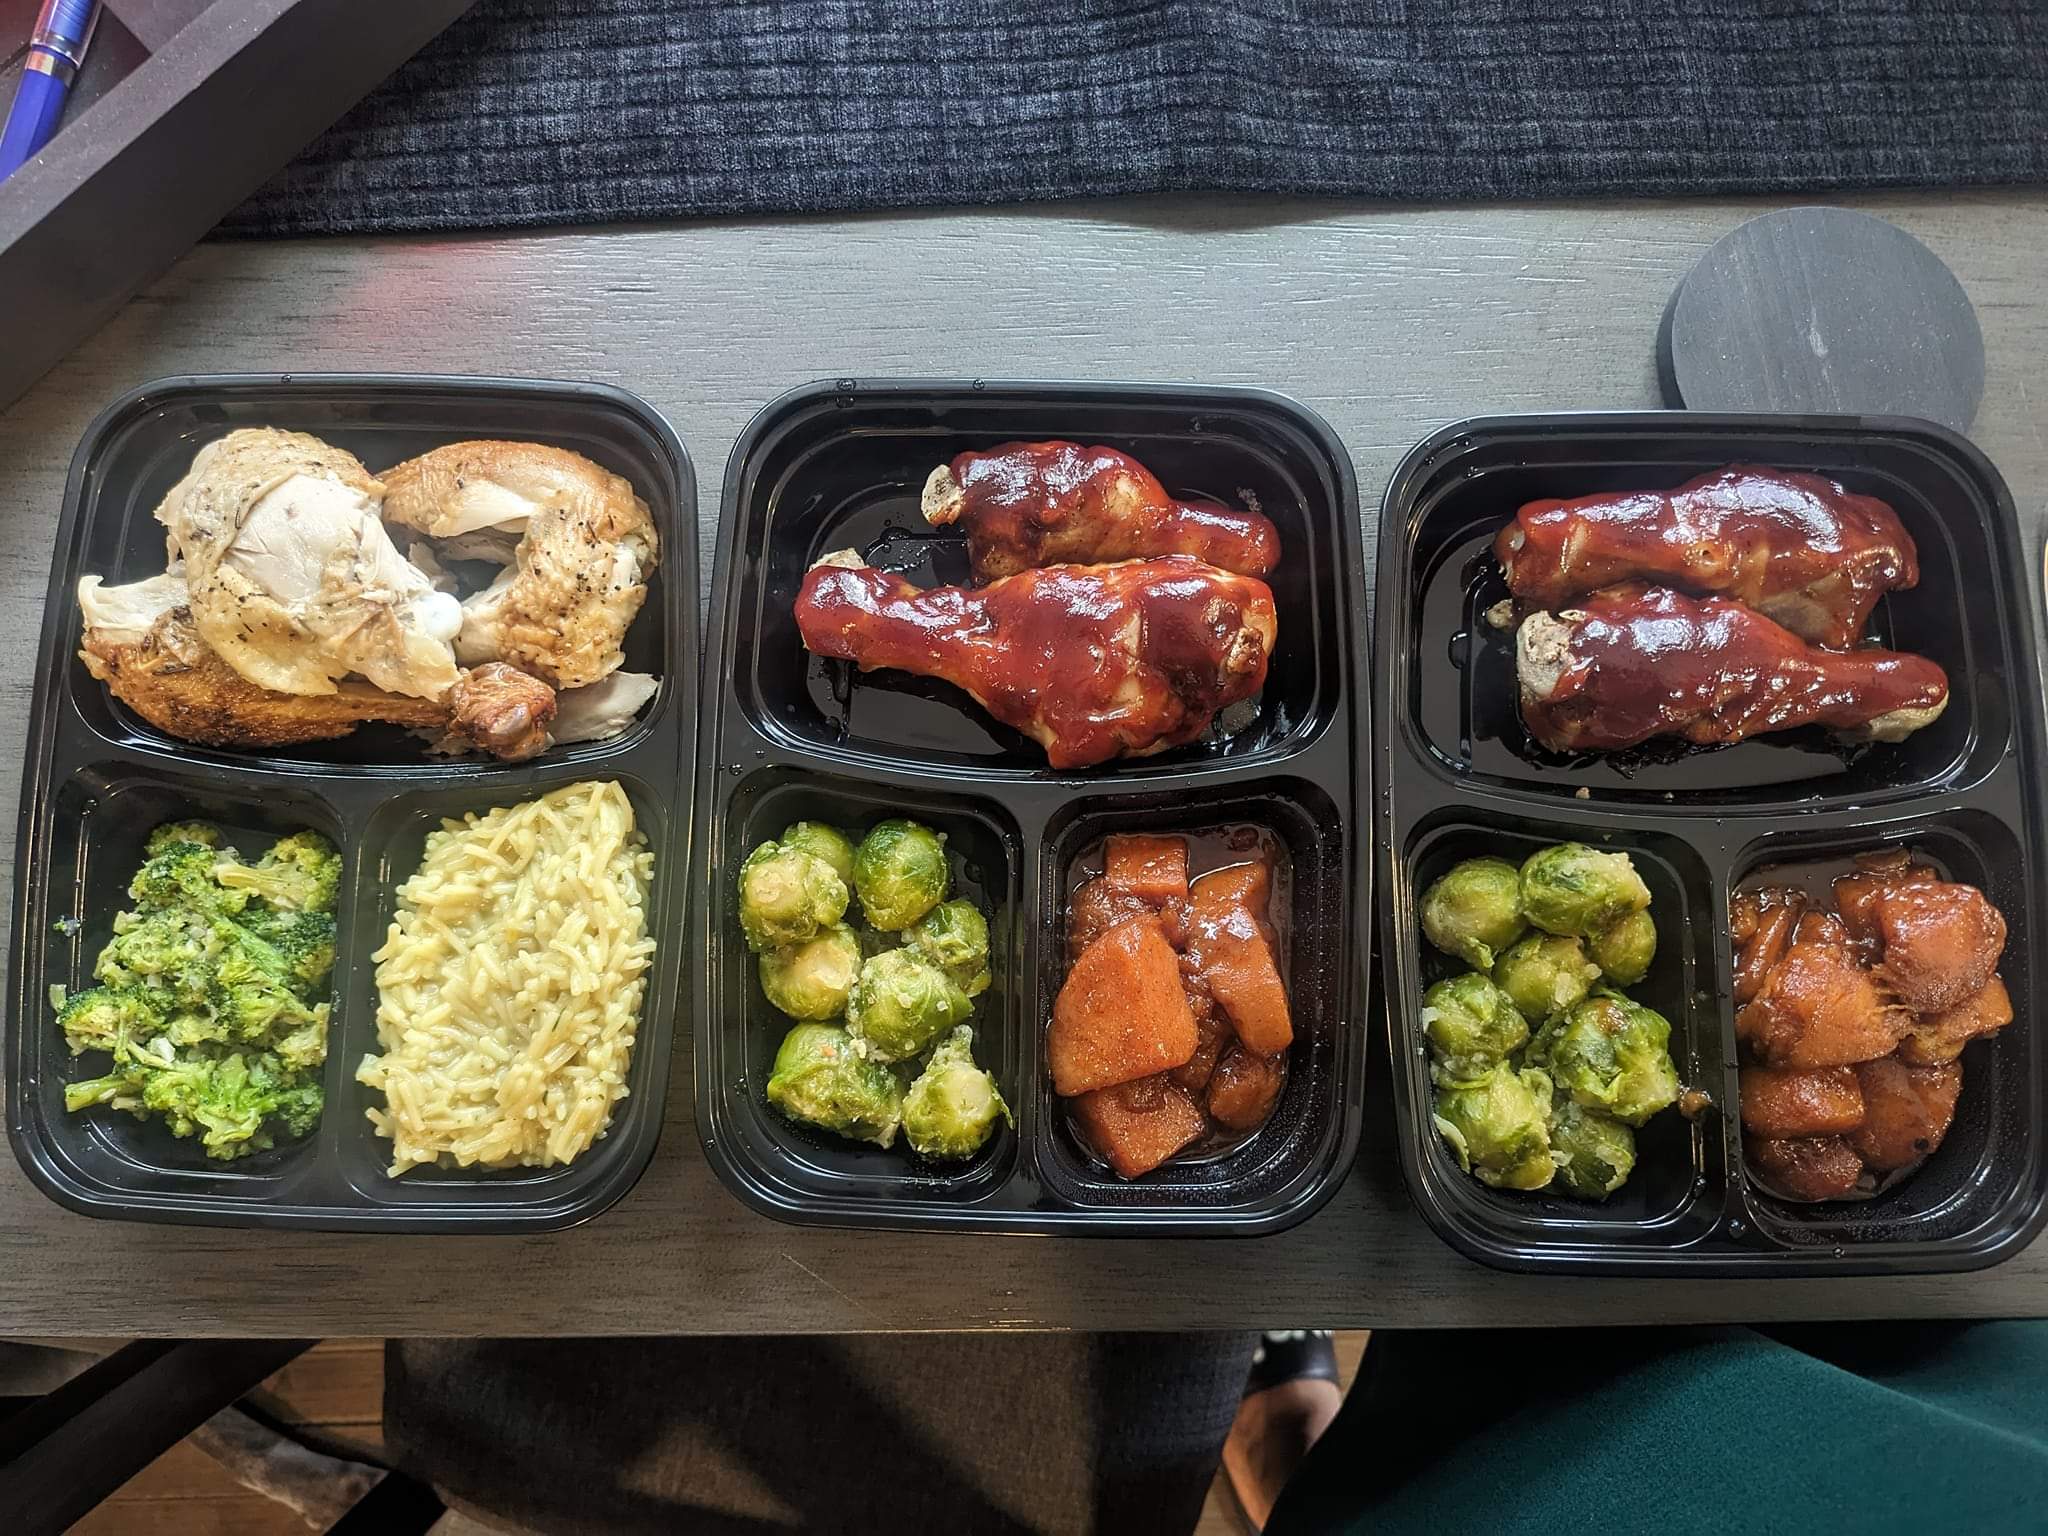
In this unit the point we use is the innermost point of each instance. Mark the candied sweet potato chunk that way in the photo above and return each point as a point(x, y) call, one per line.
point(1153, 869)
point(1099, 906)
point(1212, 1035)
point(1823, 1101)
point(1135, 1140)
point(1245, 1088)
point(1230, 945)
point(1121, 1014)
point(1805, 1167)
point(1940, 1037)
point(1909, 1110)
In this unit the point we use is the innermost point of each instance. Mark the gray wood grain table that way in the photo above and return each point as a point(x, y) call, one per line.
point(1389, 321)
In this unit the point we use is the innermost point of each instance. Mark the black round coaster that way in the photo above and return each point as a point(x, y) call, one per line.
point(1823, 310)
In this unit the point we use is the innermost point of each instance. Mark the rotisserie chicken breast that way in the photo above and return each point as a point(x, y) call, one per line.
point(294, 583)
point(586, 544)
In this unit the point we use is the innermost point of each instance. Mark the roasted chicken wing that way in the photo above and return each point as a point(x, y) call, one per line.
point(581, 547)
point(1632, 662)
point(1089, 661)
point(1796, 547)
point(1026, 505)
point(293, 581)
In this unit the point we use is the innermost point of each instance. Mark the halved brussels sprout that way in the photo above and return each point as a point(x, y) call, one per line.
point(1472, 1025)
point(1610, 1054)
point(953, 1106)
point(954, 936)
point(1474, 911)
point(811, 980)
point(1594, 1153)
point(899, 872)
point(1576, 890)
point(820, 1079)
point(1624, 948)
point(787, 896)
point(822, 842)
point(1543, 973)
point(900, 1004)
point(1498, 1127)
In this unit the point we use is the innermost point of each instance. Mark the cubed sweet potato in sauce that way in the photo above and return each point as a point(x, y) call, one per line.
point(1153, 869)
point(1908, 1110)
point(1244, 1088)
point(1231, 946)
point(1822, 1101)
point(1212, 1034)
point(1135, 1140)
point(1121, 1014)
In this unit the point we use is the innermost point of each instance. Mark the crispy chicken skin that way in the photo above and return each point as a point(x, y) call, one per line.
point(1025, 505)
point(1818, 1007)
point(1825, 1101)
point(1632, 662)
point(578, 575)
point(179, 684)
point(1796, 547)
point(1805, 1167)
point(1907, 1111)
point(1092, 662)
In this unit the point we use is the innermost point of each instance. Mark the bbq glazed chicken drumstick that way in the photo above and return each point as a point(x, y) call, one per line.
point(1026, 505)
point(1091, 662)
point(1797, 548)
point(1633, 662)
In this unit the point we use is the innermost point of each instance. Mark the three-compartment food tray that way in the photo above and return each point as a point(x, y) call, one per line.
point(98, 778)
point(1459, 777)
point(788, 736)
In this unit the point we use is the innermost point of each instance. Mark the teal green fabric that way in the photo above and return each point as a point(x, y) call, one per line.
point(1871, 1428)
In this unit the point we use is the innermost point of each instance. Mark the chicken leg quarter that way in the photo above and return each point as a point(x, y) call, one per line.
point(1091, 662)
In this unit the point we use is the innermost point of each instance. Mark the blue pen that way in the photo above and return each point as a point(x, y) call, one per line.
point(55, 51)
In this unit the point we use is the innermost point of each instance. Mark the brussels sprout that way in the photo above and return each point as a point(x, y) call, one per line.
point(954, 936)
point(811, 980)
point(787, 896)
point(1593, 1152)
point(1610, 1054)
point(1624, 948)
point(820, 1079)
point(1498, 1126)
point(1475, 911)
point(901, 1004)
point(1576, 890)
point(953, 1106)
point(899, 872)
point(822, 842)
point(1471, 1025)
point(1543, 973)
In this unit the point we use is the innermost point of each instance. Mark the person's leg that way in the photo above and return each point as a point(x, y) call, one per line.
point(876, 1433)
point(1290, 1399)
point(1685, 1429)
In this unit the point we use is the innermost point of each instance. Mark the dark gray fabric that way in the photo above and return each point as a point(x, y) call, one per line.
point(874, 1435)
point(578, 111)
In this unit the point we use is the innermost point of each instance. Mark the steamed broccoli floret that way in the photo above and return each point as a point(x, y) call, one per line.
point(109, 1018)
point(181, 875)
point(205, 833)
point(165, 949)
point(300, 873)
point(210, 1000)
point(304, 942)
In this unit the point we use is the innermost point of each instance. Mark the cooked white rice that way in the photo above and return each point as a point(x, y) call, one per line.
point(509, 986)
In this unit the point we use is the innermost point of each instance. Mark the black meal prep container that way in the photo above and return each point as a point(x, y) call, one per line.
point(1458, 778)
point(788, 735)
point(98, 778)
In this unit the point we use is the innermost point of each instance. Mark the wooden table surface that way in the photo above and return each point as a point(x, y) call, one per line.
point(1388, 321)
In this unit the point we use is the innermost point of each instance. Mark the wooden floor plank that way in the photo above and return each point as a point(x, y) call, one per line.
point(235, 1512)
point(336, 1381)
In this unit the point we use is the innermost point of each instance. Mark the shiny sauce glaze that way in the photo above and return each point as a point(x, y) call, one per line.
point(1091, 911)
point(1798, 547)
point(1091, 661)
point(1648, 661)
point(1032, 504)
